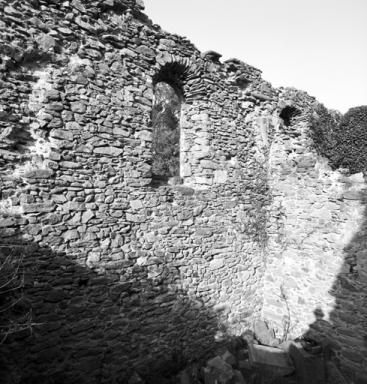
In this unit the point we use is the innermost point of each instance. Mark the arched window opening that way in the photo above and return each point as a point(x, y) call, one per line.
point(166, 134)
point(288, 114)
point(172, 74)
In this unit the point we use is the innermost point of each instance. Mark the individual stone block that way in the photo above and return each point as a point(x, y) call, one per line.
point(38, 207)
point(271, 359)
point(45, 42)
point(216, 264)
point(70, 235)
point(39, 174)
point(263, 334)
point(78, 107)
point(220, 176)
point(87, 215)
point(108, 151)
point(7, 222)
point(70, 164)
point(62, 134)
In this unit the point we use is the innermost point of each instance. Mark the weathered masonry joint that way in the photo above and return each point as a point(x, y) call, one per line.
point(160, 199)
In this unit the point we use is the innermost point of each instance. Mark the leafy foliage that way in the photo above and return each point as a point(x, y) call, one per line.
point(324, 124)
point(342, 139)
point(352, 140)
point(166, 132)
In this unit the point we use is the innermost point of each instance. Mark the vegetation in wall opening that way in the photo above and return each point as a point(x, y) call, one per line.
point(166, 133)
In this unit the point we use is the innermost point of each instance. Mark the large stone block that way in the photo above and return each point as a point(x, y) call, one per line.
point(263, 334)
point(39, 174)
point(108, 151)
point(38, 207)
point(271, 359)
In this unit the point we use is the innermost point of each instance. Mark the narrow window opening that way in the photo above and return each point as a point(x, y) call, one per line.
point(166, 134)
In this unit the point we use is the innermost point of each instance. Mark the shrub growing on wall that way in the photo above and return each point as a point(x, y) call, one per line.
point(324, 125)
point(352, 140)
point(342, 139)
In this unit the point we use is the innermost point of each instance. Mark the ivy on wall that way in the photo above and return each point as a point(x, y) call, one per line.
point(352, 140)
point(341, 139)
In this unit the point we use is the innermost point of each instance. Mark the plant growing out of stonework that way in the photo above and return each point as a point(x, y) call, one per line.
point(14, 314)
point(286, 320)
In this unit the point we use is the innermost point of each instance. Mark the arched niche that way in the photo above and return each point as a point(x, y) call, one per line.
point(288, 113)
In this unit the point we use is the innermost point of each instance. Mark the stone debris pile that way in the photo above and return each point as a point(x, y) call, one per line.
point(248, 360)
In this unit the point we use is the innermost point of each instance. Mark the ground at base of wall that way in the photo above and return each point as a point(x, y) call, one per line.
point(244, 360)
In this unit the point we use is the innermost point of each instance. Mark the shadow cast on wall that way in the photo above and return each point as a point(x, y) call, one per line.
point(346, 328)
point(93, 328)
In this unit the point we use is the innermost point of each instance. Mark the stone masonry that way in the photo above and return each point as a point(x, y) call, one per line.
point(123, 276)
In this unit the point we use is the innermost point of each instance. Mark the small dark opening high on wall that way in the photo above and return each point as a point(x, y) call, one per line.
point(166, 133)
point(242, 82)
point(288, 114)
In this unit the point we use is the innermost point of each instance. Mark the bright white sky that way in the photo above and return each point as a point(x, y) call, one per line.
point(319, 46)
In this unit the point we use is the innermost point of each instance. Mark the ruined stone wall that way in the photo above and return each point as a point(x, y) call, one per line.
point(122, 275)
point(315, 270)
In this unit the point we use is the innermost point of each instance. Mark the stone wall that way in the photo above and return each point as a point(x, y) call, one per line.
point(122, 275)
point(315, 272)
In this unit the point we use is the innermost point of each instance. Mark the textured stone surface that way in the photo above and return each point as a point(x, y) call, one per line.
point(123, 276)
point(263, 334)
point(270, 359)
